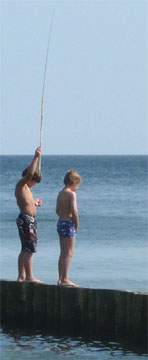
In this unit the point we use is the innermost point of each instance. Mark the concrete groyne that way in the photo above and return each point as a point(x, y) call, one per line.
point(90, 313)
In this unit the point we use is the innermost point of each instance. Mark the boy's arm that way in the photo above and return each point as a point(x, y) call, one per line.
point(57, 212)
point(32, 167)
point(57, 207)
point(74, 210)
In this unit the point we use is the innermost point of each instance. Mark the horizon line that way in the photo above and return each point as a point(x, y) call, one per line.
point(103, 154)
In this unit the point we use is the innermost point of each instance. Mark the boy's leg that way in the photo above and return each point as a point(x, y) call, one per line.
point(28, 265)
point(21, 268)
point(67, 249)
point(27, 258)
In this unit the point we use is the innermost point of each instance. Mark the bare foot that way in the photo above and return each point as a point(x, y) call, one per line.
point(67, 283)
point(20, 279)
point(34, 280)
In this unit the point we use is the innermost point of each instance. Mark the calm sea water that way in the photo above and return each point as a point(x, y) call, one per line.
point(111, 243)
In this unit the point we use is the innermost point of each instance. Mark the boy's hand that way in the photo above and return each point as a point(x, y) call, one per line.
point(38, 202)
point(78, 227)
point(38, 152)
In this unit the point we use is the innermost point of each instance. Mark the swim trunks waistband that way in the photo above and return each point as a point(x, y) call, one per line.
point(27, 216)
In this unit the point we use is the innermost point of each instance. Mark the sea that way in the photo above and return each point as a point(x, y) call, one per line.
point(111, 249)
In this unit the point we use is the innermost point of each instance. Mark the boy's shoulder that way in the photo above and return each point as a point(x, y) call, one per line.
point(69, 193)
point(20, 184)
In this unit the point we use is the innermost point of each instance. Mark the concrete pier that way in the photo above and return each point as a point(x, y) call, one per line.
point(90, 313)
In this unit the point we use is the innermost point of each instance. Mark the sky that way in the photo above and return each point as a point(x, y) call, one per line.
point(96, 82)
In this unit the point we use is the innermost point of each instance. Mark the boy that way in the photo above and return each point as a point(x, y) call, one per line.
point(67, 225)
point(26, 222)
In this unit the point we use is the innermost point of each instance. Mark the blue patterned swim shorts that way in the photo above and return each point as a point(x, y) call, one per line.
point(66, 228)
point(27, 228)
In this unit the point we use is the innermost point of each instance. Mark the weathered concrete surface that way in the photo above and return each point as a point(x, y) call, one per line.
point(92, 313)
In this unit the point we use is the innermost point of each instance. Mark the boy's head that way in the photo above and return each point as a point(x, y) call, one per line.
point(36, 178)
point(72, 179)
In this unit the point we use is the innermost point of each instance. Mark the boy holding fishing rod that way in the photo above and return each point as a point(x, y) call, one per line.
point(26, 222)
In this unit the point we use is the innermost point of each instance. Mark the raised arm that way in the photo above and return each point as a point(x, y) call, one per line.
point(33, 167)
point(35, 162)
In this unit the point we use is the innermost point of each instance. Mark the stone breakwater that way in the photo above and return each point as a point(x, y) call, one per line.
point(90, 313)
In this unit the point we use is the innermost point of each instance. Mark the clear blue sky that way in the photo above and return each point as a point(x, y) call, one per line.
point(96, 89)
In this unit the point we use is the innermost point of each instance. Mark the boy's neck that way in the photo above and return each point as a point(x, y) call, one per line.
point(68, 187)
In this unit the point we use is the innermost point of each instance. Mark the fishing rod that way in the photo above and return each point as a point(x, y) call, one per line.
point(44, 83)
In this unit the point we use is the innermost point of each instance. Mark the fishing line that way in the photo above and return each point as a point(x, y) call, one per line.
point(44, 83)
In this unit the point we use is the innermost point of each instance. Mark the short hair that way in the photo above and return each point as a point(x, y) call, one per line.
point(36, 176)
point(72, 178)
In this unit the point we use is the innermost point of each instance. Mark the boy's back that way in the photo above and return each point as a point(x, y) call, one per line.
point(65, 201)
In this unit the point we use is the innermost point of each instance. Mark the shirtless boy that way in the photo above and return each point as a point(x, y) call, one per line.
point(26, 222)
point(67, 225)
